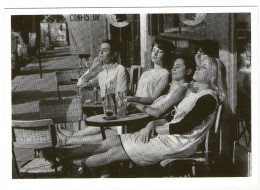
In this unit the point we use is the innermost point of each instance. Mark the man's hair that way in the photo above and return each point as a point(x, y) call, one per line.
point(210, 48)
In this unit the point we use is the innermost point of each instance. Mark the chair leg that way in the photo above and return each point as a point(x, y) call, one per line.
point(55, 161)
point(58, 92)
point(193, 169)
point(16, 165)
point(169, 169)
point(145, 171)
point(79, 125)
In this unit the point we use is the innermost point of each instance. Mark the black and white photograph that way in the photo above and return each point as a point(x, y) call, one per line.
point(162, 93)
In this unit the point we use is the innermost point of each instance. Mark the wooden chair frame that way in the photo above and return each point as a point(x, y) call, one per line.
point(36, 135)
point(134, 70)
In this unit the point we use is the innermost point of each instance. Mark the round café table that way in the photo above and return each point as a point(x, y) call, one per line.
point(101, 121)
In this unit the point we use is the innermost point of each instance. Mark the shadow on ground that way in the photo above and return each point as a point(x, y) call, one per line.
point(21, 97)
point(26, 116)
point(37, 71)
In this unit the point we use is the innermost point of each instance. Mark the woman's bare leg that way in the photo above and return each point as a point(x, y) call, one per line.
point(90, 148)
point(90, 138)
point(87, 131)
point(116, 153)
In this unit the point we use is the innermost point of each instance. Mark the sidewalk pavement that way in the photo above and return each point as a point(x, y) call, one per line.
point(28, 88)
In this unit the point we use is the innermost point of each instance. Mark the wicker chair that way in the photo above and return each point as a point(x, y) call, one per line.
point(135, 73)
point(210, 150)
point(36, 135)
point(62, 111)
point(66, 78)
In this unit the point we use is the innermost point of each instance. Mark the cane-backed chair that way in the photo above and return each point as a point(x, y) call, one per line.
point(34, 136)
point(135, 72)
point(62, 111)
point(66, 78)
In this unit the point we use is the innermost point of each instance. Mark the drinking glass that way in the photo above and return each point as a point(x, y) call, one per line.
point(122, 108)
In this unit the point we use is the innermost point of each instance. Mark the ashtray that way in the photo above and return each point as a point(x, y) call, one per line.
point(110, 117)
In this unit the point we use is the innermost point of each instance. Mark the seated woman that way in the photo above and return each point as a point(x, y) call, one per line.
point(209, 48)
point(182, 73)
point(105, 71)
point(194, 116)
point(153, 82)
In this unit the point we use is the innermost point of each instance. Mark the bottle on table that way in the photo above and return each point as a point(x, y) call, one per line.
point(121, 104)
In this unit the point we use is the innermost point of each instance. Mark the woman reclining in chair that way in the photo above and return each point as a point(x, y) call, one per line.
point(154, 81)
point(194, 116)
point(182, 72)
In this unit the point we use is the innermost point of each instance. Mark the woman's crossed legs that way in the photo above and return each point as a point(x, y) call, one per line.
point(114, 154)
point(99, 153)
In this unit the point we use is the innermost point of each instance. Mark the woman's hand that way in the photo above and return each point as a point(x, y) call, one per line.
point(96, 63)
point(147, 133)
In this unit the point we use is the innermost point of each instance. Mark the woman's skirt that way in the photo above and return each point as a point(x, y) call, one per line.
point(157, 149)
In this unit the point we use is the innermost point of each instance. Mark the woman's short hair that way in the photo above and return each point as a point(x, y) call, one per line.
point(114, 47)
point(210, 48)
point(168, 49)
point(217, 78)
point(189, 63)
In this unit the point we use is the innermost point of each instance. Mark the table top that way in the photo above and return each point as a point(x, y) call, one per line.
point(99, 120)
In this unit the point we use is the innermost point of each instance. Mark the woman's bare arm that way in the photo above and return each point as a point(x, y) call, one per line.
point(175, 99)
point(162, 85)
point(89, 78)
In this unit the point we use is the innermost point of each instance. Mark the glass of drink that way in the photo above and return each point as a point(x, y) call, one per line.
point(95, 94)
point(108, 106)
point(121, 105)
